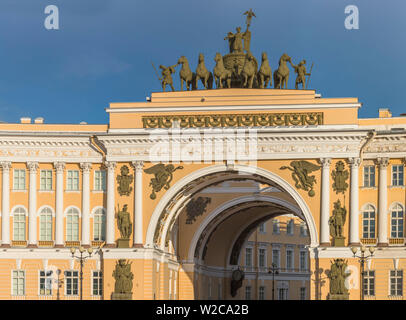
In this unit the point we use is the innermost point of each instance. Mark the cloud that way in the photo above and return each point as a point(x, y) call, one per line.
point(93, 65)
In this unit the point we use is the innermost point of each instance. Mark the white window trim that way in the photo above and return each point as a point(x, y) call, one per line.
point(18, 295)
point(66, 283)
point(91, 283)
point(391, 176)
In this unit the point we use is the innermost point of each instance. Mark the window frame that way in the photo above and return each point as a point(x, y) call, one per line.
point(98, 280)
point(371, 182)
point(101, 185)
point(72, 277)
point(48, 230)
point(69, 215)
point(71, 183)
point(44, 177)
point(21, 180)
point(18, 277)
point(398, 181)
point(44, 277)
point(369, 219)
point(395, 280)
point(398, 233)
point(23, 221)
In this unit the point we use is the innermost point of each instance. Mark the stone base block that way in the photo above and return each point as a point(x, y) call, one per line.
point(344, 296)
point(123, 243)
point(338, 242)
point(122, 296)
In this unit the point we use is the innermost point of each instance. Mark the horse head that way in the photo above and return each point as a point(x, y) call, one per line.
point(182, 60)
point(201, 57)
point(218, 57)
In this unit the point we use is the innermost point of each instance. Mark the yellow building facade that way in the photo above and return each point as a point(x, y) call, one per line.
point(230, 160)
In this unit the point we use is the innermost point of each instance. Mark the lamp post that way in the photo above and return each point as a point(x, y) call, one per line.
point(362, 258)
point(81, 259)
point(273, 270)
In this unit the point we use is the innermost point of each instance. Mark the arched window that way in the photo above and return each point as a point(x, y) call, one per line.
point(99, 225)
point(396, 221)
point(19, 224)
point(368, 222)
point(72, 225)
point(45, 224)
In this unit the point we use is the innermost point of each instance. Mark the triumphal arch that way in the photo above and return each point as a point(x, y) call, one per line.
point(167, 193)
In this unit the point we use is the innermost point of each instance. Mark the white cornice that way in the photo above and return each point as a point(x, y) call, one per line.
point(234, 108)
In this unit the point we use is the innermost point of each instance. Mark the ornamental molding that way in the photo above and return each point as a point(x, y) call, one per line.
point(234, 120)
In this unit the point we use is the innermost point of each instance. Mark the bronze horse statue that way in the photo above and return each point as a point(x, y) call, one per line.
point(249, 70)
point(221, 74)
point(265, 72)
point(186, 75)
point(281, 75)
point(203, 74)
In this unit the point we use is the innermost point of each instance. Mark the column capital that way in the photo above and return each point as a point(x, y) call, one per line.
point(383, 162)
point(110, 165)
point(32, 166)
point(354, 162)
point(86, 167)
point(5, 165)
point(325, 162)
point(138, 165)
point(59, 166)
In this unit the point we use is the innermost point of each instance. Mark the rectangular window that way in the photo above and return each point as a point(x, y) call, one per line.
point(275, 226)
point(100, 180)
point(289, 227)
point(248, 257)
point(97, 283)
point(303, 293)
point(262, 228)
point(18, 286)
point(303, 229)
point(72, 227)
point(303, 260)
point(396, 280)
point(369, 283)
point(46, 180)
point(45, 225)
point(289, 259)
point(261, 293)
point(248, 293)
point(397, 175)
point(282, 294)
point(369, 176)
point(19, 179)
point(19, 226)
point(45, 282)
point(261, 257)
point(72, 182)
point(275, 257)
point(71, 283)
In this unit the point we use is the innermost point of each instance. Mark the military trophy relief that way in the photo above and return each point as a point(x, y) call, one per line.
point(301, 171)
point(163, 175)
point(124, 225)
point(124, 181)
point(338, 275)
point(196, 208)
point(237, 69)
point(123, 277)
point(337, 221)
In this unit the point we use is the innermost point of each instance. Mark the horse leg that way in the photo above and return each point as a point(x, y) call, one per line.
point(251, 82)
point(181, 84)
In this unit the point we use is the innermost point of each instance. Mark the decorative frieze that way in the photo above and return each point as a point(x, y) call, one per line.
point(234, 120)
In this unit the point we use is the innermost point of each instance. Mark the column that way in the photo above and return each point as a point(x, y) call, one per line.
point(325, 202)
point(354, 201)
point(138, 227)
point(110, 226)
point(59, 169)
point(5, 207)
point(86, 167)
point(383, 203)
point(32, 205)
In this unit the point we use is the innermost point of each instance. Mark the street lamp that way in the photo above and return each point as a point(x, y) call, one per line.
point(81, 260)
point(273, 270)
point(362, 258)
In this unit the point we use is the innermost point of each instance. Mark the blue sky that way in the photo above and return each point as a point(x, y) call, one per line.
point(103, 50)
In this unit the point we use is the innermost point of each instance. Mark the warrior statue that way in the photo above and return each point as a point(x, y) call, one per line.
point(337, 220)
point(124, 222)
point(300, 69)
point(166, 78)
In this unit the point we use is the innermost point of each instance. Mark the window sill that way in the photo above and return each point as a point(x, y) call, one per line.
point(72, 191)
point(98, 191)
point(396, 187)
point(368, 188)
point(46, 191)
point(19, 190)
